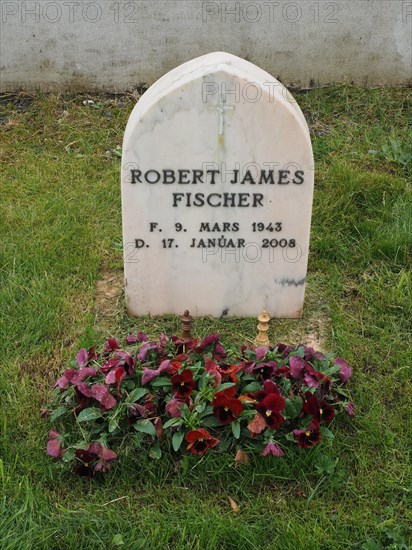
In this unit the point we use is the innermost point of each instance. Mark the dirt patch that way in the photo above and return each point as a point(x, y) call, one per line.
point(312, 330)
point(108, 295)
point(317, 337)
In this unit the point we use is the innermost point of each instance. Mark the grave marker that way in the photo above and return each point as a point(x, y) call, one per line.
point(217, 184)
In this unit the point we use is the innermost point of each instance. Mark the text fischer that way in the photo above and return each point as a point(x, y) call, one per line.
point(187, 177)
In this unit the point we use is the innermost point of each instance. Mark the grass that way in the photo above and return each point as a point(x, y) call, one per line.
point(60, 226)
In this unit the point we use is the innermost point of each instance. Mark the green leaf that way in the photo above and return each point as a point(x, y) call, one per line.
point(371, 544)
point(326, 433)
point(89, 414)
point(252, 387)
point(247, 413)
point(113, 425)
point(172, 422)
point(185, 412)
point(300, 352)
point(225, 444)
point(177, 440)
point(225, 386)
point(146, 427)
point(286, 385)
point(58, 412)
point(290, 436)
point(236, 429)
point(161, 381)
point(204, 379)
point(331, 370)
point(249, 354)
point(208, 410)
point(68, 455)
point(325, 464)
point(200, 408)
point(83, 445)
point(211, 421)
point(137, 394)
point(117, 540)
point(155, 452)
point(293, 407)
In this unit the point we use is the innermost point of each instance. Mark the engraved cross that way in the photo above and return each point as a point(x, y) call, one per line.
point(221, 107)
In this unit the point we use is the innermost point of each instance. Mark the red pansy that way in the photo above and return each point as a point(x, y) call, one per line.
point(270, 408)
point(269, 387)
point(200, 441)
point(95, 458)
point(183, 383)
point(322, 412)
point(307, 438)
point(226, 407)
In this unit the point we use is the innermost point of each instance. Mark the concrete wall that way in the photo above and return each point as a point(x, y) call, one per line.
point(109, 45)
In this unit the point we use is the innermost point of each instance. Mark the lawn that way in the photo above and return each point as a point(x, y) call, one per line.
point(60, 226)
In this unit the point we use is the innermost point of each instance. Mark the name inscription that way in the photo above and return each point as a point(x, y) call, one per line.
point(219, 200)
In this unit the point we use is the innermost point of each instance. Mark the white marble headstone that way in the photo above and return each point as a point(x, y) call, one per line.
point(217, 185)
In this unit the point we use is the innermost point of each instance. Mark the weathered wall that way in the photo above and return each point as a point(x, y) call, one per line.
point(109, 45)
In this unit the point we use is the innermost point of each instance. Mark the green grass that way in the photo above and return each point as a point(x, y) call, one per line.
point(60, 226)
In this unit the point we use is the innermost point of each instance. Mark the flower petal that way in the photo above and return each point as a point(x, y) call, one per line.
point(101, 393)
point(82, 358)
point(345, 370)
point(112, 345)
point(273, 449)
point(257, 425)
point(261, 351)
point(297, 366)
point(54, 448)
point(350, 409)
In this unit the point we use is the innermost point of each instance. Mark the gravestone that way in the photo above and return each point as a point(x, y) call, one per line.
point(217, 185)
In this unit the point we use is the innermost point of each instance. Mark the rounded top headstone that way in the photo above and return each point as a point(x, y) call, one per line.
point(217, 183)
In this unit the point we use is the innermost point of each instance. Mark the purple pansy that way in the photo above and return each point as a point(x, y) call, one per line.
point(261, 351)
point(174, 406)
point(297, 366)
point(145, 348)
point(273, 449)
point(345, 371)
point(284, 350)
point(140, 337)
point(54, 445)
point(114, 362)
point(350, 409)
point(116, 376)
point(150, 374)
point(111, 345)
point(82, 358)
point(163, 339)
point(95, 458)
point(84, 389)
point(263, 370)
point(64, 381)
point(82, 374)
point(101, 393)
point(126, 359)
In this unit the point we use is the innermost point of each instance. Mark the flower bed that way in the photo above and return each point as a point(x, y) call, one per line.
point(175, 396)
